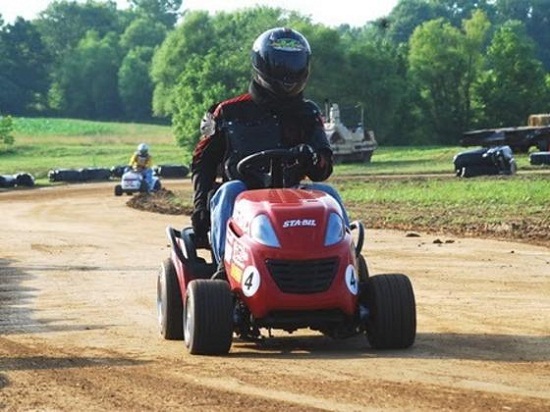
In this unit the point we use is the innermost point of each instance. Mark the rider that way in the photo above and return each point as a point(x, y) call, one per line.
point(273, 114)
point(142, 161)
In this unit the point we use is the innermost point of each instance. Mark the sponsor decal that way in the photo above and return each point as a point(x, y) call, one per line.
point(287, 45)
point(299, 223)
point(236, 273)
point(240, 255)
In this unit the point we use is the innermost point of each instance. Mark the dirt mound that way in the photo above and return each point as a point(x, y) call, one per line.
point(429, 219)
point(163, 201)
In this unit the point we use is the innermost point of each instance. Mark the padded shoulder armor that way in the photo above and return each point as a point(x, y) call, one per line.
point(208, 123)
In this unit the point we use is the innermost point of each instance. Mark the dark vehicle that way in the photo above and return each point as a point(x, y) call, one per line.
point(520, 139)
point(497, 160)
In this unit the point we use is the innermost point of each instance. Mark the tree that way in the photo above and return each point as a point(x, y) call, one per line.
point(135, 85)
point(191, 38)
point(87, 84)
point(206, 60)
point(23, 68)
point(163, 11)
point(203, 61)
point(142, 32)
point(535, 15)
point(476, 31)
point(407, 16)
point(444, 61)
point(514, 83)
point(6, 129)
point(372, 78)
point(64, 23)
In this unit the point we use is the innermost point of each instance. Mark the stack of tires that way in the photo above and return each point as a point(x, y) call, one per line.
point(19, 180)
point(171, 171)
point(498, 160)
point(118, 171)
point(539, 158)
point(79, 175)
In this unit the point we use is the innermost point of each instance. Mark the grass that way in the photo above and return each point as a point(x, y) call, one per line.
point(409, 188)
point(44, 144)
point(492, 205)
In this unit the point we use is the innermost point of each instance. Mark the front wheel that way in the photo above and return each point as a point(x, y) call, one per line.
point(391, 323)
point(208, 317)
point(362, 268)
point(118, 190)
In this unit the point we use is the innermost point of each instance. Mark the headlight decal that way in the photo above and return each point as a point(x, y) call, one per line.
point(335, 229)
point(262, 231)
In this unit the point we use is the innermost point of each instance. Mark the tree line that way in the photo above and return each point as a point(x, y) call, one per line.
point(424, 74)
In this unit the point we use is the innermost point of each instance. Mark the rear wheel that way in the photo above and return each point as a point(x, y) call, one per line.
point(169, 302)
point(392, 312)
point(208, 317)
point(118, 190)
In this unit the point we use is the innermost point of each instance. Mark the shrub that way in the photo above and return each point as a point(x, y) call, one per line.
point(6, 129)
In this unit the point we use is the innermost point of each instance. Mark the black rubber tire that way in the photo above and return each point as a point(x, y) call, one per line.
point(24, 179)
point(392, 318)
point(208, 317)
point(169, 302)
point(473, 171)
point(512, 168)
point(362, 268)
point(539, 158)
point(118, 190)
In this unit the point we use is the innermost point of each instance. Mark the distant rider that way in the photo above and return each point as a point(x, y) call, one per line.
point(142, 162)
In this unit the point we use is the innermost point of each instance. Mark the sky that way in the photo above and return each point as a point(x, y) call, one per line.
point(329, 13)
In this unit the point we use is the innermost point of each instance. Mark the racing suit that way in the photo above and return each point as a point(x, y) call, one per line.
point(243, 125)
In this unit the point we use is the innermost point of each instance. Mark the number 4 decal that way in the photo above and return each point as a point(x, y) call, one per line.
point(250, 281)
point(351, 280)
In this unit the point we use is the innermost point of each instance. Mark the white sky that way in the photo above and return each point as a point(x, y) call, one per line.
point(328, 12)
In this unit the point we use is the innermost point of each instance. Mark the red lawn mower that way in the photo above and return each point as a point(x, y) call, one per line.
point(291, 263)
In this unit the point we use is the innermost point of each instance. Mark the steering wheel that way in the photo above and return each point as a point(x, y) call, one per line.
point(277, 159)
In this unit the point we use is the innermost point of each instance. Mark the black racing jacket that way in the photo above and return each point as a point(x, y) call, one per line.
point(242, 127)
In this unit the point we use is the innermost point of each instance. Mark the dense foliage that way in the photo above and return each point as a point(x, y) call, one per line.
point(425, 73)
point(6, 131)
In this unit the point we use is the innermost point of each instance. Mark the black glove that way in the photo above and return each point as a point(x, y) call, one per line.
point(200, 220)
point(305, 155)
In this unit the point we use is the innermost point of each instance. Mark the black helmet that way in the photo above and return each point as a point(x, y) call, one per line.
point(280, 59)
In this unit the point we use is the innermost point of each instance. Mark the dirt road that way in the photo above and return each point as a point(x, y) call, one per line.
point(78, 325)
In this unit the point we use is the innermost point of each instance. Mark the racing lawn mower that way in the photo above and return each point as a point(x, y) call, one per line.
point(133, 181)
point(291, 263)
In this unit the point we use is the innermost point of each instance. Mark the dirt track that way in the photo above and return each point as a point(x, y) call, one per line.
point(78, 328)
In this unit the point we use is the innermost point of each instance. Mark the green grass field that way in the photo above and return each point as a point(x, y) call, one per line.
point(402, 187)
point(44, 144)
